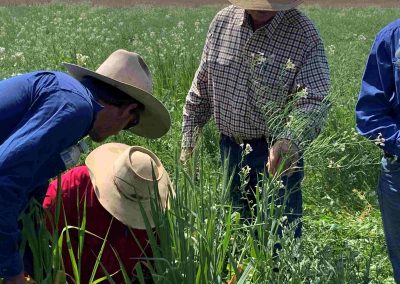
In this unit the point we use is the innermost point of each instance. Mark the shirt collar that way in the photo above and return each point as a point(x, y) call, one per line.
point(241, 18)
point(97, 107)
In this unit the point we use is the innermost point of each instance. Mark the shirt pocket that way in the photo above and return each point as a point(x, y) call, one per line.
point(272, 85)
point(275, 72)
point(223, 64)
point(225, 59)
point(272, 80)
point(225, 51)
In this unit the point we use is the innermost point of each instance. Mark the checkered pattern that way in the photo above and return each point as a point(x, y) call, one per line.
point(242, 71)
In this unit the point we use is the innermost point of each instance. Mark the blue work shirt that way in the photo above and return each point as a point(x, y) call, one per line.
point(378, 106)
point(41, 114)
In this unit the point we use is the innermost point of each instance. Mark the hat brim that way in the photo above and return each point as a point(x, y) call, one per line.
point(155, 120)
point(100, 163)
point(263, 5)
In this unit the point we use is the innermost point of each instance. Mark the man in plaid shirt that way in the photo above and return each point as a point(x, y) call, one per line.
point(263, 76)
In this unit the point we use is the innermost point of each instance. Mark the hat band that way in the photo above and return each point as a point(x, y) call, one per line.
point(133, 196)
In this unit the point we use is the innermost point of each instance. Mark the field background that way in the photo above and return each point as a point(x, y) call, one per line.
point(197, 3)
point(343, 238)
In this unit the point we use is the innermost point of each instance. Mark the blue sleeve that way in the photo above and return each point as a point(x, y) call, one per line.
point(377, 110)
point(30, 156)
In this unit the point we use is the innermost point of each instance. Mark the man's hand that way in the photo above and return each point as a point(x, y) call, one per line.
point(19, 279)
point(186, 153)
point(283, 151)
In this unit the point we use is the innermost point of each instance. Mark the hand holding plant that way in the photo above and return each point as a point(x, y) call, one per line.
point(283, 151)
point(186, 153)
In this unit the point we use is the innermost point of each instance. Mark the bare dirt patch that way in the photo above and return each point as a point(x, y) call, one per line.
point(196, 3)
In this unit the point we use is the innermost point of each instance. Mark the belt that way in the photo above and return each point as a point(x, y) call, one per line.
point(238, 140)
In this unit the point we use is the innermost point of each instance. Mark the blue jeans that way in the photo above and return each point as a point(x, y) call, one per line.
point(389, 202)
point(257, 160)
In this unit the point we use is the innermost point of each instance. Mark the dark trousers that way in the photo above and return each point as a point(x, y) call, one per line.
point(389, 203)
point(256, 160)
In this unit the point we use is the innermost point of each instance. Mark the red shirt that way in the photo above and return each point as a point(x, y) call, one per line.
point(75, 184)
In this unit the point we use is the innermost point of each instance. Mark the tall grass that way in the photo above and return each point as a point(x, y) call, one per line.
point(201, 238)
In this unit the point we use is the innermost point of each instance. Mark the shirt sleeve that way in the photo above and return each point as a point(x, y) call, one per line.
point(380, 90)
point(198, 107)
point(53, 123)
point(309, 105)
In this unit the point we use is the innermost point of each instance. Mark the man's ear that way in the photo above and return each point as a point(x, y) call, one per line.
point(129, 109)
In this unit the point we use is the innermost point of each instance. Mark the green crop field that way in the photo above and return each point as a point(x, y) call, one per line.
point(202, 241)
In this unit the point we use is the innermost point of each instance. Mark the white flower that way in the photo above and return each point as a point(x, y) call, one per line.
point(303, 93)
point(259, 58)
point(290, 65)
point(362, 37)
point(181, 24)
point(2, 50)
point(18, 55)
point(380, 140)
point(248, 149)
point(289, 121)
point(81, 59)
point(331, 49)
point(246, 170)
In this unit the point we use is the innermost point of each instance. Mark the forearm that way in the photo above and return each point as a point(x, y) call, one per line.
point(305, 123)
point(381, 129)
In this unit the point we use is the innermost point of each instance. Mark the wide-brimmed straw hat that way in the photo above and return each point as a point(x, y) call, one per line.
point(124, 177)
point(129, 73)
point(266, 5)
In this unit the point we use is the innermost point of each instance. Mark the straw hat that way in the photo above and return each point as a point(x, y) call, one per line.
point(122, 177)
point(129, 73)
point(266, 5)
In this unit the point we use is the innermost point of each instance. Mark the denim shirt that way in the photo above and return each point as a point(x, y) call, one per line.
point(41, 114)
point(378, 106)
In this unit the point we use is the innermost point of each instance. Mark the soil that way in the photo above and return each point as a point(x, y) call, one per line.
point(196, 3)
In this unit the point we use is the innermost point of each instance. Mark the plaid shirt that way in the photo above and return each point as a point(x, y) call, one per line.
point(250, 80)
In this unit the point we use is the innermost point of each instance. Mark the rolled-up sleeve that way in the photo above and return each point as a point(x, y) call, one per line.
point(30, 156)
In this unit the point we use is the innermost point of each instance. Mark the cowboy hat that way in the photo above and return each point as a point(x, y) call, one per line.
point(266, 5)
point(123, 180)
point(129, 73)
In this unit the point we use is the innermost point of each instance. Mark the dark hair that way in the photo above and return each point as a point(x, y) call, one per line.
point(108, 93)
